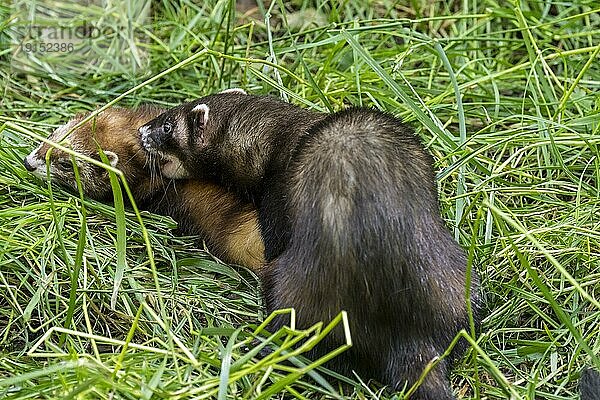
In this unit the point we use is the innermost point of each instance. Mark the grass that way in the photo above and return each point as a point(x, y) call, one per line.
point(96, 302)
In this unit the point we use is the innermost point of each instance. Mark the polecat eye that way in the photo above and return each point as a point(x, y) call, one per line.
point(64, 163)
point(167, 127)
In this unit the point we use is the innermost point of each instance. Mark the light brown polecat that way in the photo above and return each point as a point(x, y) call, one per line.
point(228, 224)
point(349, 213)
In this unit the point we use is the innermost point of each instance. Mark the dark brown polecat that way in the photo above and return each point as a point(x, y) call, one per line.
point(348, 210)
point(228, 224)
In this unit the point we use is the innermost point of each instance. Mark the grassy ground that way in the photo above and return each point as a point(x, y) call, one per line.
point(96, 304)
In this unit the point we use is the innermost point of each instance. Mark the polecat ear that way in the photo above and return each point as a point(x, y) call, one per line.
point(113, 158)
point(202, 108)
point(233, 90)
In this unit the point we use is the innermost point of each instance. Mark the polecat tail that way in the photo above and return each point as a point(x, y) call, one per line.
point(589, 384)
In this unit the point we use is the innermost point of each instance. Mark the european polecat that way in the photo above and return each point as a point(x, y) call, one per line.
point(228, 224)
point(348, 210)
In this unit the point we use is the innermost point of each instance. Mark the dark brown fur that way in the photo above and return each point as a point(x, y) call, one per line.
point(228, 224)
point(349, 213)
point(589, 384)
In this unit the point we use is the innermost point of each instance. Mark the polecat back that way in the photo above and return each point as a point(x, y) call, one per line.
point(228, 224)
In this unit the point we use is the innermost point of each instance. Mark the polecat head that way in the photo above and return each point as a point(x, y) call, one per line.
point(179, 133)
point(115, 131)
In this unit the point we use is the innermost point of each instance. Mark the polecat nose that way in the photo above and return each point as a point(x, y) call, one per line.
point(150, 138)
point(143, 130)
point(27, 165)
point(145, 135)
